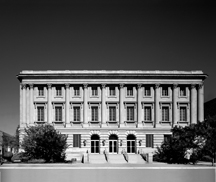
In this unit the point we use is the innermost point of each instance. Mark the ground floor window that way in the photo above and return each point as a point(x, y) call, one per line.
point(131, 144)
point(77, 140)
point(95, 144)
point(150, 140)
point(113, 143)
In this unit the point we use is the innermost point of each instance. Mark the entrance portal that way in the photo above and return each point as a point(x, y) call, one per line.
point(95, 144)
point(131, 144)
point(113, 143)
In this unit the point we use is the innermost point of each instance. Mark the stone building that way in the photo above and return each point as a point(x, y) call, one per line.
point(116, 111)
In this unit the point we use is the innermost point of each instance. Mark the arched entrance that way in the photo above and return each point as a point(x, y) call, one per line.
point(131, 144)
point(95, 143)
point(113, 144)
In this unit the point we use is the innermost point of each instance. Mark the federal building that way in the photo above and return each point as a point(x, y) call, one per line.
point(112, 111)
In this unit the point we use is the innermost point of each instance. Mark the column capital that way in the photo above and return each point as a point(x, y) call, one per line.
point(193, 86)
point(157, 85)
point(175, 85)
point(67, 85)
point(201, 85)
point(103, 85)
point(139, 85)
point(85, 85)
point(49, 85)
point(121, 85)
point(31, 85)
point(23, 86)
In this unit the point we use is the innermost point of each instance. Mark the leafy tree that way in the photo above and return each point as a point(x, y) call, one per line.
point(44, 142)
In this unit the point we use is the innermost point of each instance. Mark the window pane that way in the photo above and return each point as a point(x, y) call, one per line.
point(40, 113)
point(129, 91)
point(165, 91)
point(94, 113)
point(183, 114)
point(58, 113)
point(130, 113)
point(112, 91)
point(40, 91)
point(77, 140)
point(147, 113)
point(149, 140)
point(147, 91)
point(76, 113)
point(165, 113)
point(182, 91)
point(58, 91)
point(94, 91)
point(112, 113)
point(76, 91)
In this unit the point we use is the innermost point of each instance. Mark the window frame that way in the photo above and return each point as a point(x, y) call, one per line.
point(76, 90)
point(150, 140)
point(130, 113)
point(180, 91)
point(149, 115)
point(145, 93)
point(184, 114)
point(58, 113)
point(94, 114)
point(165, 91)
point(112, 113)
point(40, 115)
point(165, 116)
point(129, 91)
point(59, 91)
point(94, 91)
point(41, 92)
point(112, 91)
point(76, 113)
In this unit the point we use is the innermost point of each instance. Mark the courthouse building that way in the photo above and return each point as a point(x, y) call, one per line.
point(131, 111)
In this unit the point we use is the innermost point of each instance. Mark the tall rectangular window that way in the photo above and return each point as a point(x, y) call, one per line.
point(58, 91)
point(94, 112)
point(40, 91)
point(40, 113)
point(130, 113)
point(150, 140)
point(165, 113)
point(183, 91)
point(147, 91)
point(76, 91)
point(76, 113)
point(112, 113)
point(129, 91)
point(112, 91)
point(165, 91)
point(58, 113)
point(94, 91)
point(147, 113)
point(183, 114)
point(77, 140)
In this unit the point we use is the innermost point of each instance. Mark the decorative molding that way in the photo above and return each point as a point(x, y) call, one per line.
point(23, 86)
point(201, 85)
point(49, 85)
point(111, 132)
point(193, 86)
point(67, 85)
point(157, 85)
point(175, 86)
point(139, 85)
point(130, 133)
point(94, 132)
point(121, 85)
point(85, 85)
point(31, 85)
point(103, 85)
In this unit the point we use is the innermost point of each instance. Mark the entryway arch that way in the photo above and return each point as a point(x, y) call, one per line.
point(131, 143)
point(95, 143)
point(113, 143)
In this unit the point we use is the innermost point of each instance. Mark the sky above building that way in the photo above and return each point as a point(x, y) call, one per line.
point(107, 35)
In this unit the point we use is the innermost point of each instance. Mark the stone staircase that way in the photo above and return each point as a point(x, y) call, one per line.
point(74, 156)
point(97, 159)
point(135, 159)
point(116, 159)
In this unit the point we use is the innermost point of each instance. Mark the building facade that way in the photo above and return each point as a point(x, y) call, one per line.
point(112, 111)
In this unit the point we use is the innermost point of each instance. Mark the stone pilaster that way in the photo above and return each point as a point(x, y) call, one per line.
point(49, 103)
point(193, 104)
point(121, 105)
point(31, 99)
point(21, 105)
point(103, 104)
point(201, 103)
point(67, 104)
point(27, 105)
point(24, 104)
point(139, 105)
point(174, 99)
point(85, 105)
point(157, 107)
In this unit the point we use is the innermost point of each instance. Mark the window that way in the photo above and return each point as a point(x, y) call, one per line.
point(40, 113)
point(76, 91)
point(94, 113)
point(130, 113)
point(183, 91)
point(165, 91)
point(149, 140)
point(147, 113)
point(94, 91)
point(76, 113)
point(165, 113)
point(147, 91)
point(58, 91)
point(40, 91)
point(58, 113)
point(167, 138)
point(129, 91)
point(183, 114)
point(77, 140)
point(112, 113)
point(112, 91)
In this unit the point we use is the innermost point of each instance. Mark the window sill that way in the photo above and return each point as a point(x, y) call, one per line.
point(112, 96)
point(182, 122)
point(130, 96)
point(40, 122)
point(59, 97)
point(112, 122)
point(165, 96)
point(76, 122)
point(57, 122)
point(94, 122)
point(40, 97)
point(76, 96)
point(147, 96)
point(130, 121)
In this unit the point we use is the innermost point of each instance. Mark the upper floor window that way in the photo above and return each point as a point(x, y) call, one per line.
point(183, 114)
point(76, 91)
point(147, 91)
point(165, 113)
point(58, 113)
point(40, 113)
point(76, 113)
point(112, 113)
point(94, 113)
point(183, 91)
point(94, 91)
point(129, 91)
point(130, 113)
point(40, 91)
point(147, 113)
point(165, 91)
point(58, 91)
point(112, 91)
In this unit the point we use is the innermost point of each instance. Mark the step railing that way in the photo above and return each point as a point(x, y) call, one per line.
point(125, 154)
point(106, 154)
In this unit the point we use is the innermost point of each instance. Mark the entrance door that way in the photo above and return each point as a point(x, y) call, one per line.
point(113, 144)
point(131, 144)
point(95, 144)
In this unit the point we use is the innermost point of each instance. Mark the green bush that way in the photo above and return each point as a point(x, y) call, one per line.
point(8, 156)
point(20, 156)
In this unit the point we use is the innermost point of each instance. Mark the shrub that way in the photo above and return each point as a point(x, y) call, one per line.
point(8, 156)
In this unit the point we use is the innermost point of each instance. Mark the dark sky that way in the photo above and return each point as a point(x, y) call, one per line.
point(108, 35)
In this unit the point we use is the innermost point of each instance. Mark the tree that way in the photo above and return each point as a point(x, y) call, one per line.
point(44, 142)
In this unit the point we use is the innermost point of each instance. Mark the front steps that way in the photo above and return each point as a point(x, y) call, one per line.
point(78, 157)
point(97, 159)
point(116, 159)
point(136, 159)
